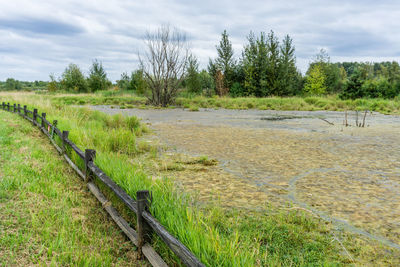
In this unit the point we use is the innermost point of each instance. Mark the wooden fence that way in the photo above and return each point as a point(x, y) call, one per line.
point(146, 223)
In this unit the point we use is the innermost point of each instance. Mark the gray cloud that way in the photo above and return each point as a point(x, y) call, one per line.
point(112, 31)
point(39, 26)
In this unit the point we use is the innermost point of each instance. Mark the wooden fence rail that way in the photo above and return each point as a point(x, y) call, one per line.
point(146, 223)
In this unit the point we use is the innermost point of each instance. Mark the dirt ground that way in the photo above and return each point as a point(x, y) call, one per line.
point(348, 175)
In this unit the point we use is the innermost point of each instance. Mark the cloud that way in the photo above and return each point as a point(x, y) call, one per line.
point(44, 38)
point(39, 26)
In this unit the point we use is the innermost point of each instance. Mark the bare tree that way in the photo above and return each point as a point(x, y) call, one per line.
point(164, 63)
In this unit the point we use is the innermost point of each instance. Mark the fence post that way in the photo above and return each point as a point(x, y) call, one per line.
point(143, 230)
point(4, 105)
point(64, 137)
point(90, 155)
point(52, 128)
point(15, 107)
point(8, 106)
point(43, 118)
point(19, 108)
point(34, 116)
point(25, 112)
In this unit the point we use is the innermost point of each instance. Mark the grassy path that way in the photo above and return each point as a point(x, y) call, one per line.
point(47, 216)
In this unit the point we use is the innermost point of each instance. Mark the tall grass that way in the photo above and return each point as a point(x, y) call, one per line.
point(218, 237)
point(306, 103)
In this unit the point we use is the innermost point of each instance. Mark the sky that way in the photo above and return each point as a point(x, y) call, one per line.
point(38, 38)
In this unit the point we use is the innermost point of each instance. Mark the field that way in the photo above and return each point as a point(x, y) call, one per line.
point(210, 176)
point(47, 217)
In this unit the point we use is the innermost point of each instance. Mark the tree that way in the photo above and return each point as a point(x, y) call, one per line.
point(97, 77)
point(206, 83)
point(164, 63)
point(138, 82)
point(125, 82)
point(52, 86)
point(273, 63)
point(354, 87)
point(12, 84)
point(289, 76)
point(220, 88)
point(225, 61)
point(269, 68)
point(315, 81)
point(333, 79)
point(192, 79)
point(73, 79)
point(255, 66)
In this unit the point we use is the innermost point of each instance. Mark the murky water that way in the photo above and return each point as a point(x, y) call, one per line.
point(348, 175)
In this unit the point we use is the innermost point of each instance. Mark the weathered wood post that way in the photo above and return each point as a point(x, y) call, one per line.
point(25, 112)
point(19, 108)
point(90, 155)
point(43, 118)
point(143, 230)
point(34, 116)
point(3, 105)
point(64, 137)
point(52, 128)
point(8, 106)
point(15, 107)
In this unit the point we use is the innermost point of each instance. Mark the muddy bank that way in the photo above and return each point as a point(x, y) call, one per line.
point(349, 175)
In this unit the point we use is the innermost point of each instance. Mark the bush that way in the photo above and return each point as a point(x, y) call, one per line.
point(236, 90)
point(98, 78)
point(73, 79)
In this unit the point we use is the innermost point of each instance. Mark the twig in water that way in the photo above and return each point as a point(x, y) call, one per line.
point(365, 114)
point(331, 123)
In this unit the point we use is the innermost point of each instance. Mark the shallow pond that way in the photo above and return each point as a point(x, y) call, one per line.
point(349, 175)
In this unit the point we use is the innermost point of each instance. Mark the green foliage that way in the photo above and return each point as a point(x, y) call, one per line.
point(135, 82)
point(236, 90)
point(315, 81)
point(362, 84)
point(97, 77)
point(269, 68)
point(12, 84)
point(206, 83)
point(192, 81)
point(335, 77)
point(138, 82)
point(53, 85)
point(124, 82)
point(225, 61)
point(289, 77)
point(73, 79)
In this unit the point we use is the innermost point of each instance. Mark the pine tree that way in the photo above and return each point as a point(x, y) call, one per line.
point(225, 61)
point(97, 77)
point(273, 63)
point(288, 74)
point(192, 79)
point(255, 65)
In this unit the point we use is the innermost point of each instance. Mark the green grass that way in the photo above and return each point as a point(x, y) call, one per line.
point(333, 103)
point(307, 103)
point(47, 217)
point(217, 236)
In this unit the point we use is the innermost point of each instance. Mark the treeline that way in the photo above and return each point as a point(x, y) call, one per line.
point(12, 84)
point(266, 66)
point(74, 80)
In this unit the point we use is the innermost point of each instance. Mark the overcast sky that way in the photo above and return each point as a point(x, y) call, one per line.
point(42, 37)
